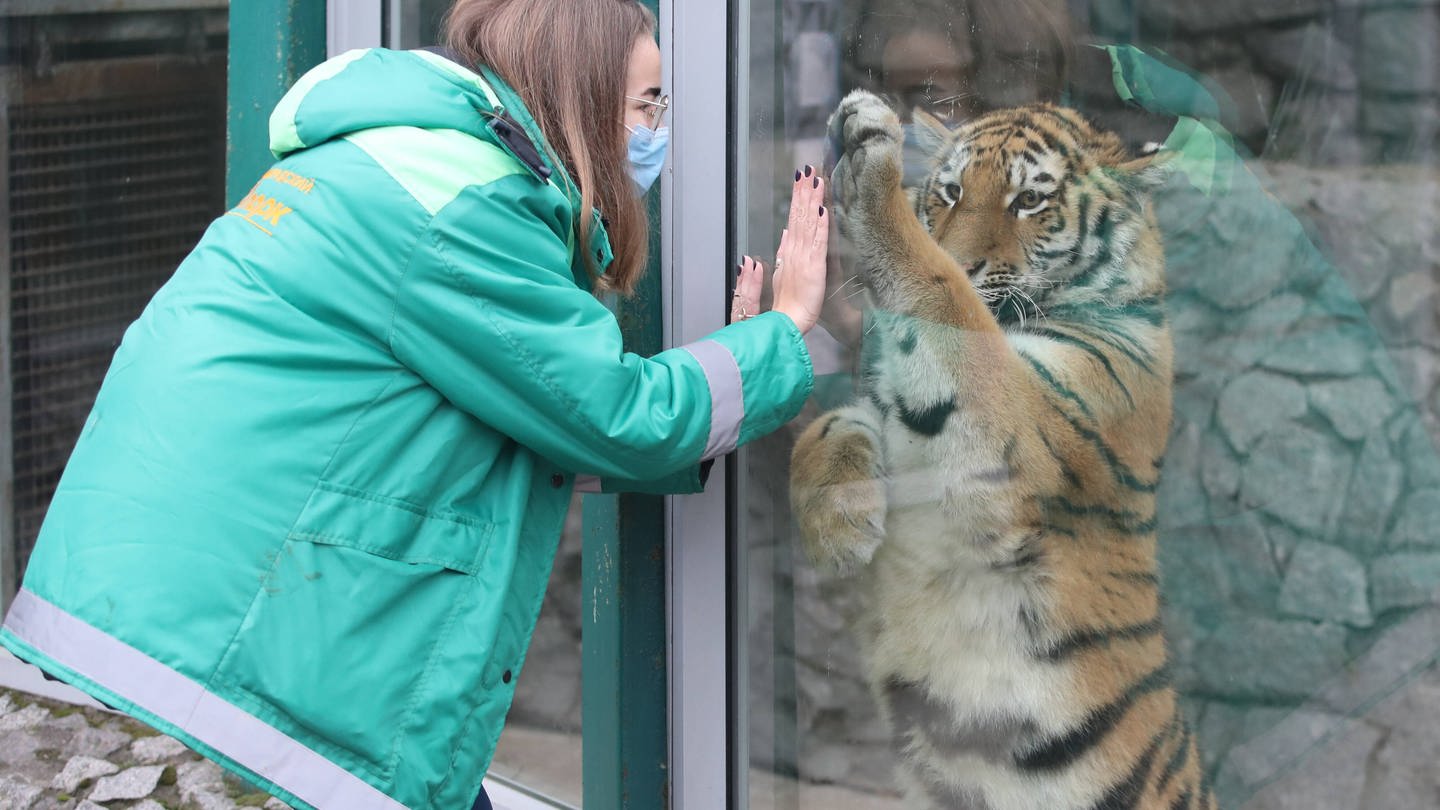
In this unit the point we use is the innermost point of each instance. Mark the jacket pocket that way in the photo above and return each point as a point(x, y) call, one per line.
point(338, 647)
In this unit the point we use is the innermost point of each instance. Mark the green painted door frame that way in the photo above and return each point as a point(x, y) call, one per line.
point(272, 43)
point(625, 692)
point(624, 701)
point(625, 712)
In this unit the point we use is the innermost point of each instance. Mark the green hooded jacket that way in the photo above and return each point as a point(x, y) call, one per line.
point(308, 525)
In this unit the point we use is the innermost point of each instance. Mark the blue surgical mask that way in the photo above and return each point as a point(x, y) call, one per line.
point(915, 163)
point(647, 154)
point(918, 153)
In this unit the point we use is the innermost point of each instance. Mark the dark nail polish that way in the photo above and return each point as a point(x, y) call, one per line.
point(822, 210)
point(815, 183)
point(807, 169)
point(797, 175)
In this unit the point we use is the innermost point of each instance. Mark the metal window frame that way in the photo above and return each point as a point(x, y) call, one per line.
point(696, 240)
point(29, 8)
point(351, 24)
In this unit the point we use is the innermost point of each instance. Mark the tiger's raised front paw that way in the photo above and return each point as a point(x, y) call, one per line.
point(837, 490)
point(870, 141)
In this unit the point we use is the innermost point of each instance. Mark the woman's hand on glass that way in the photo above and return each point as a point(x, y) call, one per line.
point(748, 283)
point(799, 279)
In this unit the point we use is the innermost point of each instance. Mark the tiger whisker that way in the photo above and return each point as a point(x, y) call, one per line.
point(952, 99)
point(1010, 296)
point(1039, 313)
point(1074, 252)
point(843, 285)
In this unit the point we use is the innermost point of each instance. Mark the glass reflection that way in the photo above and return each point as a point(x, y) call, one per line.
point(1298, 554)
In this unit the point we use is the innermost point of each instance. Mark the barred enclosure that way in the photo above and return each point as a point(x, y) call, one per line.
point(114, 146)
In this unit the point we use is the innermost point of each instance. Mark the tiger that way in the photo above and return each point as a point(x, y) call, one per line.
point(990, 493)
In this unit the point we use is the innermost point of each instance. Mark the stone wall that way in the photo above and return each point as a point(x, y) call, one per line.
point(1300, 502)
point(1327, 82)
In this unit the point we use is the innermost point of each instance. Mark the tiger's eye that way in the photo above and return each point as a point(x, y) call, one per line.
point(953, 191)
point(1029, 198)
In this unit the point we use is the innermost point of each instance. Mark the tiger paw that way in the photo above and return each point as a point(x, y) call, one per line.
point(838, 491)
point(870, 141)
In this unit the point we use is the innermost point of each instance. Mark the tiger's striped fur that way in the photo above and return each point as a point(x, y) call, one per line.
point(994, 490)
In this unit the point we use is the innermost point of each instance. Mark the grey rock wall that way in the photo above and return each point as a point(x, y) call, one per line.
point(1327, 82)
point(1300, 516)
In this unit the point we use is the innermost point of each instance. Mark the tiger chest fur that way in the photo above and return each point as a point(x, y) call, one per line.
point(992, 490)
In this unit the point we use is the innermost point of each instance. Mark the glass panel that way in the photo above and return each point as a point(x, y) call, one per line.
point(413, 23)
point(540, 748)
point(1002, 648)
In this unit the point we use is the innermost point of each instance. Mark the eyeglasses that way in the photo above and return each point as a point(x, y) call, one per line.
point(657, 109)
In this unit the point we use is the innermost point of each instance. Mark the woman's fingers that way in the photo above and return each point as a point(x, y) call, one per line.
point(807, 221)
point(821, 237)
point(805, 201)
point(799, 281)
point(748, 283)
point(803, 178)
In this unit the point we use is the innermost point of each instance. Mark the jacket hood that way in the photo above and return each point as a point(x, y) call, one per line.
point(365, 89)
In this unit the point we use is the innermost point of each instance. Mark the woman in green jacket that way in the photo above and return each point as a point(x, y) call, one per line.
point(308, 525)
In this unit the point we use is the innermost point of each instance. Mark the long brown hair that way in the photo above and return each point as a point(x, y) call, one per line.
point(568, 59)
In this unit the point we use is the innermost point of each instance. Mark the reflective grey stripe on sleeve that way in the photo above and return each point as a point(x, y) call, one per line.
point(182, 702)
point(727, 399)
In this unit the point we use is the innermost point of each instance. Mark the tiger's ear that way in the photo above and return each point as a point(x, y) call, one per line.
point(931, 134)
point(1152, 168)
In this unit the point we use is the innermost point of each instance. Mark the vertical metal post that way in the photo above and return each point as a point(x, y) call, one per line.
point(624, 700)
point(272, 42)
point(697, 208)
point(357, 24)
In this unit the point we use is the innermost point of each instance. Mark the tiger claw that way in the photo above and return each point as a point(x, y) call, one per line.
point(865, 135)
point(838, 492)
point(842, 528)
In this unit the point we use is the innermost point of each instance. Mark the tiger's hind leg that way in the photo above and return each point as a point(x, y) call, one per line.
point(837, 489)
